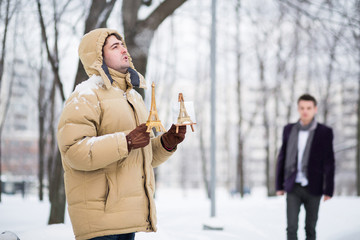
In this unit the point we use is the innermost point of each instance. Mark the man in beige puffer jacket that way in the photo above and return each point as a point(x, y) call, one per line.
point(107, 155)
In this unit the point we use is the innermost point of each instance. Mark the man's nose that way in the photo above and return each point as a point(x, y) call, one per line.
point(123, 50)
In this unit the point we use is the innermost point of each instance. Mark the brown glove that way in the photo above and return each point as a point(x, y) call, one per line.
point(138, 137)
point(170, 139)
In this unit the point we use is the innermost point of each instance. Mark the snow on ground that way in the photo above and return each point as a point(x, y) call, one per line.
point(182, 214)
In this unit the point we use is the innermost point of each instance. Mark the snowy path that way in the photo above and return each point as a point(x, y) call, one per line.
point(181, 216)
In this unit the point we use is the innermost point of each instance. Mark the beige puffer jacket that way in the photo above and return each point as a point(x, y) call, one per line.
point(108, 190)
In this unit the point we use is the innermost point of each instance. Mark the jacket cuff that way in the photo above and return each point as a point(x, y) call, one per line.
point(160, 154)
point(122, 145)
point(157, 143)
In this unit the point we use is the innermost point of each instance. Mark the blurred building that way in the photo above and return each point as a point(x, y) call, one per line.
point(20, 136)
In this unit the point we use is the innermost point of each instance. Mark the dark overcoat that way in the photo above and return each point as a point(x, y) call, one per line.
point(321, 166)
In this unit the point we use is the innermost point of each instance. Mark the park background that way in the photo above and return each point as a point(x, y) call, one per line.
point(268, 53)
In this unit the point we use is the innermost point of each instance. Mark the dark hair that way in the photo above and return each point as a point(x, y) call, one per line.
point(307, 97)
point(112, 34)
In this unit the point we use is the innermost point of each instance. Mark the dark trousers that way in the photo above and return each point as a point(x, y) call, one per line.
point(294, 199)
point(127, 236)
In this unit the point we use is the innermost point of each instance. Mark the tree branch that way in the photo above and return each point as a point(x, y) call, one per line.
point(98, 9)
point(164, 10)
point(106, 13)
point(315, 17)
point(53, 63)
point(130, 9)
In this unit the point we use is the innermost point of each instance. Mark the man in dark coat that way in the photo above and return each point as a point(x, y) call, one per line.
point(305, 168)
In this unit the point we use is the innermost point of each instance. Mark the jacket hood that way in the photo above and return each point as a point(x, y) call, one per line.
point(90, 53)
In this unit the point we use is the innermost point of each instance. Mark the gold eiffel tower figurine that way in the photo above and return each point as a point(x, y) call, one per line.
point(153, 120)
point(184, 118)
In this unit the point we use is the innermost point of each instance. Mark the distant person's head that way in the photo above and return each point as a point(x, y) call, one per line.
point(307, 108)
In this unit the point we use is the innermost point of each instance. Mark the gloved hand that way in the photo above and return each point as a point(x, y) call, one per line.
point(138, 137)
point(170, 139)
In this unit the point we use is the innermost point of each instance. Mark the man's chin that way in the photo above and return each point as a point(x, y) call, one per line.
point(306, 120)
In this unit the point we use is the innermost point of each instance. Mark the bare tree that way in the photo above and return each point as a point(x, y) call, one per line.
point(310, 56)
point(333, 45)
point(8, 15)
point(55, 170)
point(265, 117)
point(358, 133)
point(295, 65)
point(329, 81)
point(227, 159)
point(281, 74)
point(204, 161)
point(356, 34)
point(98, 15)
point(6, 109)
point(202, 76)
point(42, 108)
point(56, 189)
point(3, 44)
point(240, 156)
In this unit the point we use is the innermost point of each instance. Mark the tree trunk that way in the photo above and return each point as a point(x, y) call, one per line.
point(41, 124)
point(57, 192)
point(2, 63)
point(240, 168)
point(240, 155)
point(0, 166)
point(266, 127)
point(295, 66)
point(41, 144)
point(358, 134)
point(280, 72)
point(56, 201)
point(41, 156)
point(139, 33)
point(356, 35)
point(204, 164)
point(327, 104)
point(3, 48)
point(310, 57)
point(2, 121)
point(55, 170)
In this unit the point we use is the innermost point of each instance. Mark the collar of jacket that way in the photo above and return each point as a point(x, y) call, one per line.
point(91, 56)
point(119, 78)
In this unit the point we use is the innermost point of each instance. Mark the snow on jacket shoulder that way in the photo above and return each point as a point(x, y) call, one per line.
point(79, 142)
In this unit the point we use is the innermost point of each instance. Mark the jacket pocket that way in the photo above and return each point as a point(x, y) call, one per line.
point(106, 191)
point(108, 194)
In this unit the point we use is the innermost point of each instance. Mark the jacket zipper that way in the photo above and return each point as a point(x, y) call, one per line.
point(143, 153)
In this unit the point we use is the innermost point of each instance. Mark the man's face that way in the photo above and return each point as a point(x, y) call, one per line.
point(115, 55)
point(307, 111)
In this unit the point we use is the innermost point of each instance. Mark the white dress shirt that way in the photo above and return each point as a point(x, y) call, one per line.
point(302, 140)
